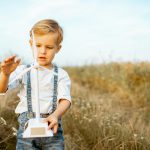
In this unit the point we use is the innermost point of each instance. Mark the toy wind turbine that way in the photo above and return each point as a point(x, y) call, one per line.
point(35, 126)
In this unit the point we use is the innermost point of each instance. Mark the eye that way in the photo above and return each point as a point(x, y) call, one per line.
point(49, 47)
point(38, 45)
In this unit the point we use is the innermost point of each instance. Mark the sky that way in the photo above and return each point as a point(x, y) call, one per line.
point(95, 31)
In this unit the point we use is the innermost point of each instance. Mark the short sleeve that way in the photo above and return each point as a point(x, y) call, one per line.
point(64, 86)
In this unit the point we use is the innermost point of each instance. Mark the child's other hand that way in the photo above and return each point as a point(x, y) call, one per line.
point(52, 122)
point(9, 65)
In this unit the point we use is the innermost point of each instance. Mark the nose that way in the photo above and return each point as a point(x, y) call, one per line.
point(43, 50)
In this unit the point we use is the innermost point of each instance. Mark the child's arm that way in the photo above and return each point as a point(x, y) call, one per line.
point(63, 101)
point(63, 106)
point(7, 67)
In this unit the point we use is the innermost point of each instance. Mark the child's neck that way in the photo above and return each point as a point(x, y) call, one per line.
point(50, 67)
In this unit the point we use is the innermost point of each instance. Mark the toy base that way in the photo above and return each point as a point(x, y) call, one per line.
point(36, 128)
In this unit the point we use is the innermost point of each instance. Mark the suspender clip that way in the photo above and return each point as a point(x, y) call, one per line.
point(30, 115)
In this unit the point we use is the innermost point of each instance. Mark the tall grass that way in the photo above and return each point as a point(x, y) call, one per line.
point(8, 120)
point(110, 109)
point(129, 82)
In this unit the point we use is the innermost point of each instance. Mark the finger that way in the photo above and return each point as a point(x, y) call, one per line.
point(55, 128)
point(2, 64)
point(10, 58)
point(46, 119)
point(10, 62)
point(17, 61)
point(6, 64)
point(50, 125)
point(15, 65)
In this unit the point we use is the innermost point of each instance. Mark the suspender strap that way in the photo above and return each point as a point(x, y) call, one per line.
point(29, 98)
point(55, 88)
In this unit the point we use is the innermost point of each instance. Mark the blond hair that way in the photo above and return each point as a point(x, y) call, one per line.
point(46, 26)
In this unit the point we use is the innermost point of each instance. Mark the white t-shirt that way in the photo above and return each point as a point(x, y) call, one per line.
point(46, 83)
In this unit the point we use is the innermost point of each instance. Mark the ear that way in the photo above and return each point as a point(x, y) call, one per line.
point(31, 46)
point(58, 48)
point(31, 43)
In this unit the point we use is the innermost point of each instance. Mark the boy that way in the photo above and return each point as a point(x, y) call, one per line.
point(54, 90)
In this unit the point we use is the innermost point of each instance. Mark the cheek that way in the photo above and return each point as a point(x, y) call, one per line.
point(51, 54)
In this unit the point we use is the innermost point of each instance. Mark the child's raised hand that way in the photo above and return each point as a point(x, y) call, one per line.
point(9, 65)
point(53, 122)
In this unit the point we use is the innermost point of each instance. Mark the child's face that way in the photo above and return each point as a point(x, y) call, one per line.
point(46, 47)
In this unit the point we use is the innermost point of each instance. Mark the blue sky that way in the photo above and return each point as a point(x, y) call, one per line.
point(94, 30)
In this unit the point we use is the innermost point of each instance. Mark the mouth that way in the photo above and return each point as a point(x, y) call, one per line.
point(42, 58)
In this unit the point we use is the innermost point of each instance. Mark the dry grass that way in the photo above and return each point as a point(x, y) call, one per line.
point(110, 109)
point(8, 120)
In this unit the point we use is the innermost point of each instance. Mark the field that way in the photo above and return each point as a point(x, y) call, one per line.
point(110, 109)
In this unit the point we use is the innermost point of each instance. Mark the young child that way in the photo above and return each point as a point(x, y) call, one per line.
point(54, 87)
